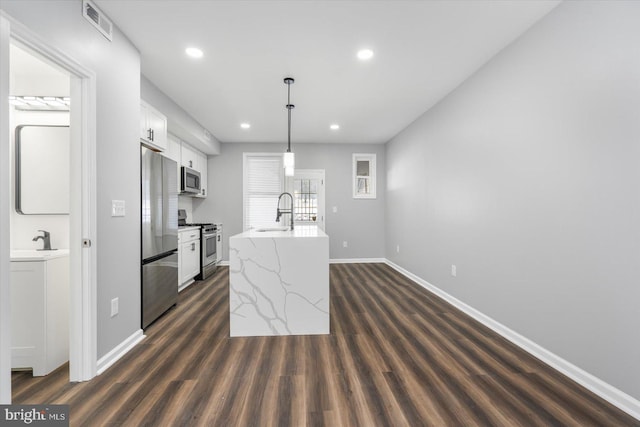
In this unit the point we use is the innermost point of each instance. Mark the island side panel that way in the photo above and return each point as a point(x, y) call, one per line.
point(279, 286)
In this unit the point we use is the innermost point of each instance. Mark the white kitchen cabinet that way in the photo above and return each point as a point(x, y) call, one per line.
point(189, 156)
point(188, 255)
point(40, 312)
point(153, 127)
point(219, 240)
point(202, 168)
point(174, 147)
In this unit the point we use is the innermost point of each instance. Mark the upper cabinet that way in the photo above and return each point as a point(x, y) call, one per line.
point(189, 157)
point(173, 152)
point(153, 127)
point(202, 165)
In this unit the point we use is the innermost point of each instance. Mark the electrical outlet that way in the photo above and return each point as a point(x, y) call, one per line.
point(345, 244)
point(114, 307)
point(454, 270)
point(398, 248)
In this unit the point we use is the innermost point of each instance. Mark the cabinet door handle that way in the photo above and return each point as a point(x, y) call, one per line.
point(150, 134)
point(193, 246)
point(204, 192)
point(190, 163)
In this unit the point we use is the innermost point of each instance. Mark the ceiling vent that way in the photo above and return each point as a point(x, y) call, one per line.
point(97, 18)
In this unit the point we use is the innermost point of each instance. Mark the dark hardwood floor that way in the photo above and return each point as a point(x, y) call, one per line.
point(397, 356)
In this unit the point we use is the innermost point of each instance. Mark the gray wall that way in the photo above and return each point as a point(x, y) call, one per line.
point(359, 222)
point(527, 178)
point(117, 66)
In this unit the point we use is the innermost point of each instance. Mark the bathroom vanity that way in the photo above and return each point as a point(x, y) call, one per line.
point(279, 282)
point(39, 310)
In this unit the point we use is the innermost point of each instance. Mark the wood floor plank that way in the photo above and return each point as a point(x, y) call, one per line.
point(397, 355)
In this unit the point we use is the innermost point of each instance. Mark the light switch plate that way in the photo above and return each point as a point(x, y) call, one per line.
point(117, 208)
point(114, 307)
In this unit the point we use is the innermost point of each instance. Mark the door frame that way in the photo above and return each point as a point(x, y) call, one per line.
point(82, 213)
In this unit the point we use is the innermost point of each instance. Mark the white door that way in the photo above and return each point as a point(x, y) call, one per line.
point(307, 188)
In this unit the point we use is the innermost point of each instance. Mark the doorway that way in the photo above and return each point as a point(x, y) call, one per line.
point(81, 216)
point(39, 98)
point(307, 187)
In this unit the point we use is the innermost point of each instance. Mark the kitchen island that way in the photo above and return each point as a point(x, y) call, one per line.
point(279, 282)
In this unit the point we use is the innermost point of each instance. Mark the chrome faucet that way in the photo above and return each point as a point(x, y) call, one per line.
point(283, 211)
point(46, 239)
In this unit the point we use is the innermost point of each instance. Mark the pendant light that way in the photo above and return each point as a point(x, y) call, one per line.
point(289, 157)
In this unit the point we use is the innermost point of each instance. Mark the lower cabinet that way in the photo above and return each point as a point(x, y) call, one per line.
point(189, 256)
point(40, 314)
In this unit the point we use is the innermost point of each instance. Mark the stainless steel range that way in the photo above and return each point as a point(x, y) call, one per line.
point(208, 245)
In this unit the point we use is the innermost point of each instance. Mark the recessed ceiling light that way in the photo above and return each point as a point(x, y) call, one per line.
point(245, 125)
point(365, 54)
point(194, 52)
point(334, 126)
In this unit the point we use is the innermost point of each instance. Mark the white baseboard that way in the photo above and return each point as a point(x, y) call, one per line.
point(119, 351)
point(606, 391)
point(223, 263)
point(357, 260)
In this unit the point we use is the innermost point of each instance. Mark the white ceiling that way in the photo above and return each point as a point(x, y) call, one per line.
point(423, 50)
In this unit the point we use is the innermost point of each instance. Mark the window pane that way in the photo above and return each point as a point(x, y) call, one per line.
point(363, 185)
point(306, 200)
point(362, 168)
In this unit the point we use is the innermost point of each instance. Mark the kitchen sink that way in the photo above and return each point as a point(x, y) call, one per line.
point(272, 229)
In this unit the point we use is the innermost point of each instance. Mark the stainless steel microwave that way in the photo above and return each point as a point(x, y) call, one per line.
point(189, 181)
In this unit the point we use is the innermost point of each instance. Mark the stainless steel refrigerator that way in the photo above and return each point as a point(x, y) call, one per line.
point(159, 235)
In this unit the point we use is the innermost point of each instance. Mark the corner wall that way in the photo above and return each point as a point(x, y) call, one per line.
point(117, 67)
point(526, 178)
point(179, 122)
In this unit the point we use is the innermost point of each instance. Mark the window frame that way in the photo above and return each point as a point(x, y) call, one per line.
point(372, 178)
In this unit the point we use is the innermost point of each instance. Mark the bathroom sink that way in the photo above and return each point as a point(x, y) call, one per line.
point(36, 254)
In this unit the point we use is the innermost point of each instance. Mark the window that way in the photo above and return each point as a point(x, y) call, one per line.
point(263, 182)
point(308, 196)
point(364, 176)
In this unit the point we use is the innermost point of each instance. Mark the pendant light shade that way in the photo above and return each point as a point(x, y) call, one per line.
point(289, 163)
point(289, 159)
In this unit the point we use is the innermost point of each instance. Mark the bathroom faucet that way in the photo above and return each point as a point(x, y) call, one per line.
point(283, 211)
point(46, 239)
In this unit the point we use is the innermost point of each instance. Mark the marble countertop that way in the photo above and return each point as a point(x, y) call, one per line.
point(35, 255)
point(182, 228)
point(279, 282)
point(282, 232)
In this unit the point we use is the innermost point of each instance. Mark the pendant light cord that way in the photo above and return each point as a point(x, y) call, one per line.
point(289, 81)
